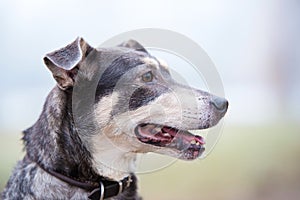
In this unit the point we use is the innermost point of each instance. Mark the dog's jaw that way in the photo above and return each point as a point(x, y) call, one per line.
point(108, 158)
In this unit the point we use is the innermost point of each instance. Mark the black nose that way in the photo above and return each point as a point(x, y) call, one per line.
point(220, 104)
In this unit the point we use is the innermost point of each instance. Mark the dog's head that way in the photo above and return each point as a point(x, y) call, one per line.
point(136, 105)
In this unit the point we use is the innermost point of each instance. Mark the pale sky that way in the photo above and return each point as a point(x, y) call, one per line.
point(253, 44)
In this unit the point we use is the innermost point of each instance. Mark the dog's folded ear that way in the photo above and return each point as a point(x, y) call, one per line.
point(64, 63)
point(133, 44)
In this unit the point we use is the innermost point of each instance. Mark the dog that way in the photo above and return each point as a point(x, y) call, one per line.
point(109, 104)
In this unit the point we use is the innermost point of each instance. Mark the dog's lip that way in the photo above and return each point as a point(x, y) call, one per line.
point(191, 146)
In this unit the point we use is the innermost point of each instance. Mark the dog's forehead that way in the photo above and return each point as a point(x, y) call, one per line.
point(156, 63)
point(151, 62)
point(108, 55)
point(114, 50)
point(163, 64)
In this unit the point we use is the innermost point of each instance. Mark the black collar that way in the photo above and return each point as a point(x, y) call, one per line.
point(98, 190)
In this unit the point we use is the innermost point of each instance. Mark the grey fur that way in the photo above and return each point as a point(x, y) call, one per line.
point(69, 144)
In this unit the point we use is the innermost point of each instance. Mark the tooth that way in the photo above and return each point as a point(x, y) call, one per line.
point(193, 142)
point(166, 135)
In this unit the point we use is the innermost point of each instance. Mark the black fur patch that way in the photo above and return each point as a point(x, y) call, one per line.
point(141, 95)
point(144, 95)
point(114, 72)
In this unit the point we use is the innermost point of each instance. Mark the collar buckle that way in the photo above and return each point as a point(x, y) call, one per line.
point(99, 190)
point(128, 181)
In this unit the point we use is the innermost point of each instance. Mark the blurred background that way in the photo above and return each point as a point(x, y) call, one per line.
point(255, 46)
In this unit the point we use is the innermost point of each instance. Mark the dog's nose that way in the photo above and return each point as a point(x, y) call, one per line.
point(220, 104)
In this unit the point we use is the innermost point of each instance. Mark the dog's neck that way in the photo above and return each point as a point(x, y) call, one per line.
point(53, 141)
point(110, 160)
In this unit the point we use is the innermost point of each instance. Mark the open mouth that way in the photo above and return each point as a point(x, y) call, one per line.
point(190, 146)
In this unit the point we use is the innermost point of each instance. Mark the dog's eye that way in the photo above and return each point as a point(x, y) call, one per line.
point(147, 77)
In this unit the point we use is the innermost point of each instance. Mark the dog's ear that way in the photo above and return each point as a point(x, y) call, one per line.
point(64, 63)
point(133, 44)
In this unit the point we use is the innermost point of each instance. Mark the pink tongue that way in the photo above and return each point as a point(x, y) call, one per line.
point(199, 139)
point(185, 135)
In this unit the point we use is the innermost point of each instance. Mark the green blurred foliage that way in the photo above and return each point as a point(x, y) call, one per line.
point(247, 163)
